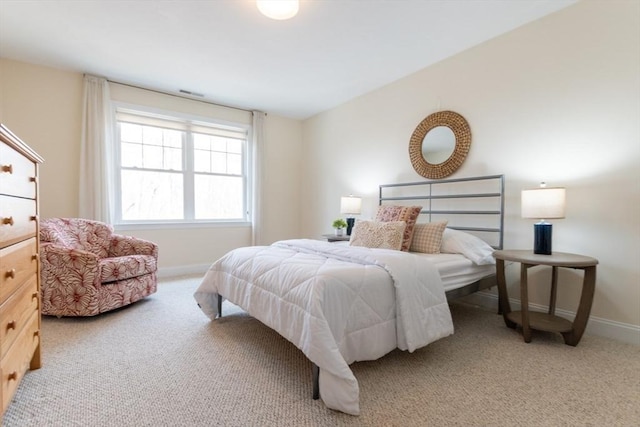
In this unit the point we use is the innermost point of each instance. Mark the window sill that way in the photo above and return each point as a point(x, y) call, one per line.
point(180, 225)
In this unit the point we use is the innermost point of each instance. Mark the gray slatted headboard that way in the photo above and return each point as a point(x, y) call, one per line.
point(474, 204)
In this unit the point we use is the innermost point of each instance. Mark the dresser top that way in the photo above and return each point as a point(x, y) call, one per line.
point(16, 143)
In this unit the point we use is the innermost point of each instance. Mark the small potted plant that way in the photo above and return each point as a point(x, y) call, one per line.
point(339, 224)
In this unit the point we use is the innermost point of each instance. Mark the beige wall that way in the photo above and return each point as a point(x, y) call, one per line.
point(281, 198)
point(43, 107)
point(557, 100)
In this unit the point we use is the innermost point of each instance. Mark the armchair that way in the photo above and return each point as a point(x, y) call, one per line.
point(86, 269)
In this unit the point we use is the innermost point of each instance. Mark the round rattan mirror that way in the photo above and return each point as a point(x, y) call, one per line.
point(420, 140)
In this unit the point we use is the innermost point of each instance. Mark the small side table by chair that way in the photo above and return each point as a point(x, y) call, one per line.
point(571, 332)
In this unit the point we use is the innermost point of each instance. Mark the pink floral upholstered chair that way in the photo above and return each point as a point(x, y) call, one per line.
point(86, 269)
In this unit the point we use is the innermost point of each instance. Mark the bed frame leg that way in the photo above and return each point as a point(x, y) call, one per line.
point(316, 382)
point(219, 306)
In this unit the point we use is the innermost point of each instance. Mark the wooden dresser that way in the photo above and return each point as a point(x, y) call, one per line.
point(19, 263)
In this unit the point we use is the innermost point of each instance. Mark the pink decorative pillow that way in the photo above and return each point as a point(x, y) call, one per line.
point(427, 238)
point(408, 214)
point(373, 234)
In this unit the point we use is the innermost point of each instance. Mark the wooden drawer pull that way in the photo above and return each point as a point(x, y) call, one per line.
point(33, 179)
point(7, 220)
point(11, 325)
point(11, 274)
point(7, 168)
point(13, 376)
point(34, 257)
point(33, 218)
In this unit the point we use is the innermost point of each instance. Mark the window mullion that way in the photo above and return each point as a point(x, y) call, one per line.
point(117, 177)
point(247, 172)
point(189, 186)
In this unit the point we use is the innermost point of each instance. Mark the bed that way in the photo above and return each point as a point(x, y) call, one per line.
point(355, 301)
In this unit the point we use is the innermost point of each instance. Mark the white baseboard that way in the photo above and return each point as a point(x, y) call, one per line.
point(186, 270)
point(618, 331)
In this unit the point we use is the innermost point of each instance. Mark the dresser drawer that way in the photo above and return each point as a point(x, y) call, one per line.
point(15, 363)
point(18, 263)
point(18, 220)
point(17, 173)
point(15, 313)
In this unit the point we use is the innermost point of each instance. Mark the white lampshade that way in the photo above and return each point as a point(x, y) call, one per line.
point(278, 9)
point(543, 203)
point(350, 205)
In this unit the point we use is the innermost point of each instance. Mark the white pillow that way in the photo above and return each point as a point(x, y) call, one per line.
point(377, 234)
point(472, 247)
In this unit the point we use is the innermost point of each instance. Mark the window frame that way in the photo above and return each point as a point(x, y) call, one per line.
point(189, 220)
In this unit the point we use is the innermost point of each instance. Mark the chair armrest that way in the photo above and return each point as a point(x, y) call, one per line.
point(61, 262)
point(70, 281)
point(53, 249)
point(127, 245)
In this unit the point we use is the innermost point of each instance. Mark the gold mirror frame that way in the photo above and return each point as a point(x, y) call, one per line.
point(460, 129)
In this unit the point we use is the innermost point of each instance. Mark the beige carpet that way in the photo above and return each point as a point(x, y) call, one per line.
point(161, 362)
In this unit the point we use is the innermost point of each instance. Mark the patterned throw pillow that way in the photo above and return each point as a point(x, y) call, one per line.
point(408, 214)
point(374, 234)
point(427, 238)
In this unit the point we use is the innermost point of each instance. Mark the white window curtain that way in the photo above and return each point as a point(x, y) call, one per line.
point(96, 154)
point(258, 156)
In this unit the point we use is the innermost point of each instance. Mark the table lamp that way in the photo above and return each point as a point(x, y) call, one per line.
point(350, 205)
point(543, 203)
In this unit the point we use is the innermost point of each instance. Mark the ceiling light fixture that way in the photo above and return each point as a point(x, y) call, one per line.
point(278, 9)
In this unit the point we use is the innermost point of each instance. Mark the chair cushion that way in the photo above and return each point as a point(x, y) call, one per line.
point(126, 267)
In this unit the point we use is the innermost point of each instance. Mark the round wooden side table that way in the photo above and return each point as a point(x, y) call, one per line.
point(571, 331)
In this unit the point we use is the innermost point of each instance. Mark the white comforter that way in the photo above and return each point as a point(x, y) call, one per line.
point(338, 304)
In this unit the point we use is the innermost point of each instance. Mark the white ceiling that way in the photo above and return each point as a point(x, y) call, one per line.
point(331, 52)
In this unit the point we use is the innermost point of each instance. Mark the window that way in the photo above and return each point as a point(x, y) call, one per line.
point(175, 169)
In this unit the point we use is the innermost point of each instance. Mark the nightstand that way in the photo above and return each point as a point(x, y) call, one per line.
point(334, 238)
point(571, 332)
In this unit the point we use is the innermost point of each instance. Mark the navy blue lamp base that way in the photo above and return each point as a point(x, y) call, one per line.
point(542, 238)
point(350, 222)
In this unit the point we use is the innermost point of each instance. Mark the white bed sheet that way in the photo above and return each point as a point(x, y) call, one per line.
point(456, 270)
